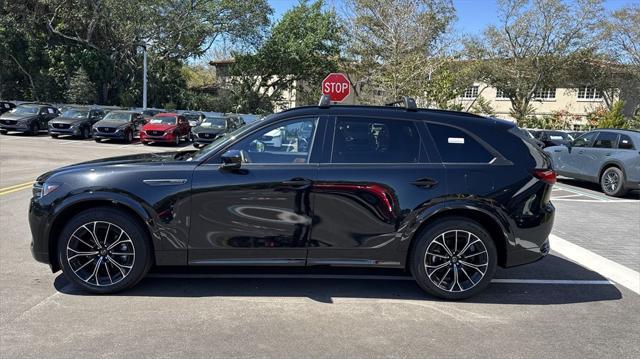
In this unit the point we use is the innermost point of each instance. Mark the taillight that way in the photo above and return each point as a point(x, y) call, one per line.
point(545, 175)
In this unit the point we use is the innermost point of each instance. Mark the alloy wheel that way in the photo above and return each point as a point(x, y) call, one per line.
point(100, 253)
point(456, 261)
point(611, 181)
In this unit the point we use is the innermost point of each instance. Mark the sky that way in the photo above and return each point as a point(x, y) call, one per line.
point(473, 15)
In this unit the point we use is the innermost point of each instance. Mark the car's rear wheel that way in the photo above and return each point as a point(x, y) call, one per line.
point(454, 259)
point(104, 251)
point(612, 182)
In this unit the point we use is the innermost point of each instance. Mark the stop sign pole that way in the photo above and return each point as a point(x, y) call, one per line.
point(336, 86)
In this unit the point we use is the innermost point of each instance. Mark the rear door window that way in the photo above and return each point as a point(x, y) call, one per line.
point(457, 146)
point(606, 140)
point(625, 142)
point(364, 140)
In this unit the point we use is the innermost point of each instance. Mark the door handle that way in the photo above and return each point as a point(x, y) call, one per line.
point(424, 183)
point(580, 152)
point(297, 182)
point(557, 150)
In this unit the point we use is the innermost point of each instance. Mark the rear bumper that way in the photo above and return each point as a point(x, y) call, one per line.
point(531, 238)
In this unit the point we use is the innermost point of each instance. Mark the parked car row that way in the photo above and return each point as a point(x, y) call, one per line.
point(151, 125)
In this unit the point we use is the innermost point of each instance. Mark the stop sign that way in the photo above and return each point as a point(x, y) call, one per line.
point(337, 86)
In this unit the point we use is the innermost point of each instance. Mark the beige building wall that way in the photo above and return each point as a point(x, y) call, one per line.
point(565, 99)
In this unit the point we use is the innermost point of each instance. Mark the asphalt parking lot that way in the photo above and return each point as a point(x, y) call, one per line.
point(581, 301)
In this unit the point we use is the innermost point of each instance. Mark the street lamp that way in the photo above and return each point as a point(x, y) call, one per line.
point(144, 75)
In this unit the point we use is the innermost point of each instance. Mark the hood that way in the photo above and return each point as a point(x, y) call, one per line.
point(68, 120)
point(139, 159)
point(201, 129)
point(17, 116)
point(158, 127)
point(111, 124)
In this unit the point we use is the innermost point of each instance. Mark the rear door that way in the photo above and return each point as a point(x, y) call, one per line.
point(376, 171)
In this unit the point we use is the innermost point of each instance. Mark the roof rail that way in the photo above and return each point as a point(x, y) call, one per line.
point(325, 101)
point(407, 102)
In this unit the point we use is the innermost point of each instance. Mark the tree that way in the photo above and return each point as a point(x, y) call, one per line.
point(622, 34)
point(396, 45)
point(533, 46)
point(301, 49)
point(614, 118)
point(483, 107)
point(81, 90)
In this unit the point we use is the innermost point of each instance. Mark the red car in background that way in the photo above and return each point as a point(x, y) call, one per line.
point(165, 127)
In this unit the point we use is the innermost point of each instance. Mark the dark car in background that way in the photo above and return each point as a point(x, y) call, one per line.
point(149, 113)
point(210, 129)
point(6, 106)
point(118, 125)
point(193, 117)
point(75, 121)
point(609, 157)
point(551, 137)
point(167, 128)
point(28, 118)
point(446, 196)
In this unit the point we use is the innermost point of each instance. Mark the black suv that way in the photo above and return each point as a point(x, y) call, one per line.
point(211, 128)
point(119, 125)
point(28, 118)
point(75, 121)
point(447, 196)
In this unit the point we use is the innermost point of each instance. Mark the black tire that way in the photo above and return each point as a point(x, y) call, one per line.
point(108, 224)
point(34, 129)
point(54, 136)
point(612, 182)
point(3, 132)
point(98, 140)
point(176, 142)
point(84, 133)
point(437, 282)
point(128, 137)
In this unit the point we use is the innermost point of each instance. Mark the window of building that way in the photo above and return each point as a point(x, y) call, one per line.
point(471, 92)
point(456, 146)
point(362, 140)
point(500, 93)
point(589, 93)
point(606, 140)
point(625, 142)
point(545, 93)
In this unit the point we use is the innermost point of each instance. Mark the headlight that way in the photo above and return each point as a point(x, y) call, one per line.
point(42, 189)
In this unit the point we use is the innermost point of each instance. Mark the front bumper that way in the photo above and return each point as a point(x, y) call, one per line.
point(15, 128)
point(163, 138)
point(118, 135)
point(40, 227)
point(73, 131)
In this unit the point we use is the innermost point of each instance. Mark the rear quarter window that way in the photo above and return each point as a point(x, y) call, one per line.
point(457, 146)
point(625, 142)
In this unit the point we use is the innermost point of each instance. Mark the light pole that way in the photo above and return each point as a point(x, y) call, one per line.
point(144, 77)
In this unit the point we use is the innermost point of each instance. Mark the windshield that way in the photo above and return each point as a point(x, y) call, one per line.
point(118, 116)
point(191, 116)
point(26, 109)
point(223, 140)
point(168, 120)
point(75, 113)
point(218, 122)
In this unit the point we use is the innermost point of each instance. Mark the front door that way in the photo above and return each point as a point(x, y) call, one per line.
point(260, 214)
point(574, 161)
point(377, 173)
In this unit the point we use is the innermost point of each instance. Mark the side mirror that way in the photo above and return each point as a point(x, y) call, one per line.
point(232, 160)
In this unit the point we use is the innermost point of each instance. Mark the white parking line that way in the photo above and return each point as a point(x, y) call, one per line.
point(618, 273)
point(586, 194)
point(365, 277)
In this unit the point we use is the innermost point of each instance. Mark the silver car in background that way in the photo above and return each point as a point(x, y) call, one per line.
point(609, 157)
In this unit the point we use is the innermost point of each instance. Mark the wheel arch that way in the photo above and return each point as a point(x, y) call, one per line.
point(67, 212)
point(489, 221)
point(608, 165)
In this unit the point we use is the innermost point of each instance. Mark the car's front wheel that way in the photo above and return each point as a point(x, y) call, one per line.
point(612, 182)
point(454, 259)
point(104, 251)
